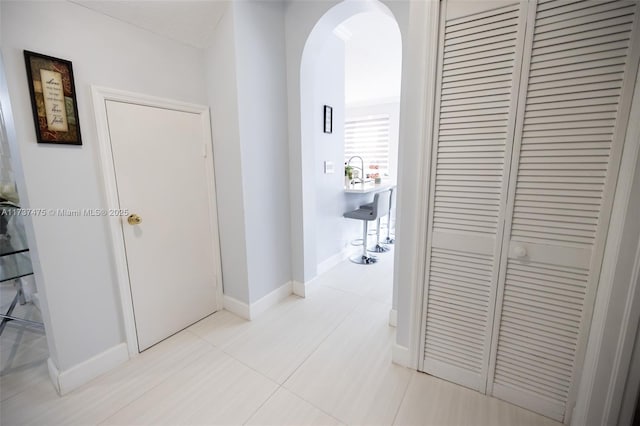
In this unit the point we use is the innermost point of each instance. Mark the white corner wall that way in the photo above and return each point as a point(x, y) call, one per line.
point(246, 88)
point(299, 22)
point(246, 80)
point(222, 92)
point(262, 109)
point(75, 268)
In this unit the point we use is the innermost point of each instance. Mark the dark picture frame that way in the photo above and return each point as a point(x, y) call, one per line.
point(328, 119)
point(53, 99)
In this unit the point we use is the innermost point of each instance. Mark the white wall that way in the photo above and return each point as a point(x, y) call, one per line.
point(246, 79)
point(299, 21)
point(222, 92)
point(327, 72)
point(75, 269)
point(262, 107)
point(6, 170)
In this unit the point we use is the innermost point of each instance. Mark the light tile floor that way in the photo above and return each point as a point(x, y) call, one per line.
point(323, 360)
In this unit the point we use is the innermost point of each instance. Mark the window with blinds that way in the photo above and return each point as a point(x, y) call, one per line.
point(368, 137)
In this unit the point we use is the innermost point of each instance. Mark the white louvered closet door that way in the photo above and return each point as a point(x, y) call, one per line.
point(479, 70)
point(579, 68)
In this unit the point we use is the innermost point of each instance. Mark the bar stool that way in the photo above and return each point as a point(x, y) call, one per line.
point(379, 247)
point(379, 207)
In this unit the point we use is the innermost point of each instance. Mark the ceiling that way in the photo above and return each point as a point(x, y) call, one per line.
point(188, 21)
point(373, 57)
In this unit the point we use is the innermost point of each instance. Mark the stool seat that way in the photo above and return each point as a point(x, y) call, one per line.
point(361, 214)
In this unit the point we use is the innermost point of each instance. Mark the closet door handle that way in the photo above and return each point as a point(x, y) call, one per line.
point(520, 251)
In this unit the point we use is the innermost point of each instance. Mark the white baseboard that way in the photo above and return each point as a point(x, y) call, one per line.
point(54, 374)
point(299, 289)
point(271, 299)
point(302, 289)
point(329, 263)
point(237, 307)
point(393, 318)
point(250, 312)
point(400, 355)
point(76, 376)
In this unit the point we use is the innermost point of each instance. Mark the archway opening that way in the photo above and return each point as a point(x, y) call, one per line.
point(351, 67)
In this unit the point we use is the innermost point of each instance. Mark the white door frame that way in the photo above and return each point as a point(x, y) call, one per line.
point(426, 38)
point(100, 96)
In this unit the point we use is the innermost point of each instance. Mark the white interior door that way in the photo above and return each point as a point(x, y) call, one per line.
point(478, 86)
point(580, 68)
point(529, 131)
point(160, 166)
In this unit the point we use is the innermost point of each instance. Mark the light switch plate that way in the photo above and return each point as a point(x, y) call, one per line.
point(329, 168)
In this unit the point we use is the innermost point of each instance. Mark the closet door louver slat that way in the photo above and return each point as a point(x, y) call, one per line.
point(564, 169)
point(474, 131)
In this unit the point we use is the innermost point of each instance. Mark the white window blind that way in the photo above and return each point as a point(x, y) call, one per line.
point(368, 137)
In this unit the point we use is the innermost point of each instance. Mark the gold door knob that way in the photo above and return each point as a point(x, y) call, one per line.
point(134, 219)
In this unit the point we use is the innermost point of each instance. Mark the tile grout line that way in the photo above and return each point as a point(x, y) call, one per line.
point(102, 421)
point(313, 405)
point(353, 293)
point(252, 415)
point(366, 296)
point(347, 315)
point(223, 351)
point(242, 333)
point(404, 395)
point(279, 385)
point(315, 349)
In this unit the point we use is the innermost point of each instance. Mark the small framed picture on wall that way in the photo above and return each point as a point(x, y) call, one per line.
point(53, 99)
point(328, 119)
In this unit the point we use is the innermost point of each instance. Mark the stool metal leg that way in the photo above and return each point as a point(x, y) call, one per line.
point(389, 240)
point(378, 248)
point(364, 258)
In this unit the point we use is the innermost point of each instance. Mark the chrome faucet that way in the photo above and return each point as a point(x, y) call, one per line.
point(361, 167)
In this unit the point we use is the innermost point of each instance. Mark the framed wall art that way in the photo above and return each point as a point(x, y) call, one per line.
point(328, 119)
point(53, 99)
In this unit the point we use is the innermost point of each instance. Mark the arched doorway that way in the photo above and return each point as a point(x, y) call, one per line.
point(321, 157)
